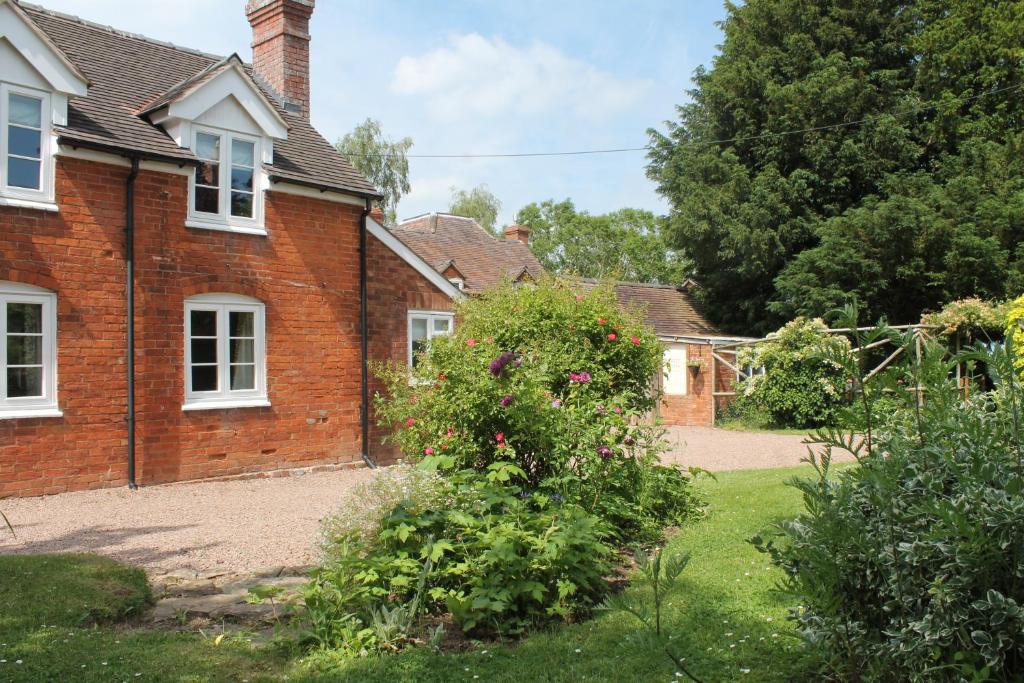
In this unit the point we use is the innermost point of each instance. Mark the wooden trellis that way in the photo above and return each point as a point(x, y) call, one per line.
point(921, 333)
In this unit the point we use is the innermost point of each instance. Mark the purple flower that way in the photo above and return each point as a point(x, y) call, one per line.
point(618, 410)
point(517, 362)
point(579, 377)
point(556, 403)
point(557, 497)
point(600, 410)
point(605, 452)
point(498, 364)
point(506, 400)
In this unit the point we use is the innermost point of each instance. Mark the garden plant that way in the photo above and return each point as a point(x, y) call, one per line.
point(909, 566)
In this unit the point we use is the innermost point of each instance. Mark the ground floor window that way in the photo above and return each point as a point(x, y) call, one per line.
point(424, 326)
point(225, 351)
point(673, 378)
point(28, 350)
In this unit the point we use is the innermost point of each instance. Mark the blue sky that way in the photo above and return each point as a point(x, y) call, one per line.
point(481, 76)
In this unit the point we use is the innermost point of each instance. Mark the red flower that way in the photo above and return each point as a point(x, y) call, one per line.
point(428, 451)
point(444, 447)
point(501, 445)
point(471, 342)
point(500, 437)
point(635, 341)
point(410, 422)
point(601, 321)
point(442, 376)
point(450, 433)
point(612, 336)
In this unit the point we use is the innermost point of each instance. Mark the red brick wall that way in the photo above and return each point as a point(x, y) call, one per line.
point(79, 254)
point(306, 273)
point(394, 288)
point(694, 409)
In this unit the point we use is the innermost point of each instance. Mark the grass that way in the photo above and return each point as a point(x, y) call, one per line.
point(63, 617)
point(738, 424)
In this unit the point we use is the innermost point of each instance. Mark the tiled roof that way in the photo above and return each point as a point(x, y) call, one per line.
point(669, 310)
point(483, 259)
point(128, 73)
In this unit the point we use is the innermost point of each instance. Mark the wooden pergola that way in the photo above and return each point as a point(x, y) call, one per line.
point(921, 333)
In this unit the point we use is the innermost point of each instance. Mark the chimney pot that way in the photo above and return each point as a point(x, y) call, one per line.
point(520, 233)
point(280, 48)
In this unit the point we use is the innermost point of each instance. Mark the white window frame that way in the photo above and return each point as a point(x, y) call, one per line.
point(223, 220)
point(667, 368)
point(225, 397)
point(459, 283)
point(32, 406)
point(430, 317)
point(42, 198)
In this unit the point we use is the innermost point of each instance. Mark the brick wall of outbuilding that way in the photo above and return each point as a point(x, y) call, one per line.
point(694, 408)
point(305, 271)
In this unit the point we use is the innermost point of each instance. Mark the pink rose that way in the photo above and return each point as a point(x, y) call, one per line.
point(428, 451)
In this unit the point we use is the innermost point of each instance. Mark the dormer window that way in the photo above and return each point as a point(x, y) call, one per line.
point(225, 188)
point(26, 168)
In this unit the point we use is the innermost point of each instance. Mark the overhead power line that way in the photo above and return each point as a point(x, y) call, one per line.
point(722, 141)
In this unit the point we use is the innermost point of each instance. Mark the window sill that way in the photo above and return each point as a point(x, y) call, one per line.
point(225, 404)
point(41, 204)
point(30, 413)
point(224, 227)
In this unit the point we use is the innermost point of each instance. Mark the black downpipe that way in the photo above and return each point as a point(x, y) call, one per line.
point(130, 299)
point(364, 414)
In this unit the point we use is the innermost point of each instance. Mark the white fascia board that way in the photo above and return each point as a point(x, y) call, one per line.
point(410, 257)
point(230, 82)
point(36, 47)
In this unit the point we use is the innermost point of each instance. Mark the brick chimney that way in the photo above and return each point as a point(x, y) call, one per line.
point(280, 48)
point(520, 233)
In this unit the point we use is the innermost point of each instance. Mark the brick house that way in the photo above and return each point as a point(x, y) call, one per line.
point(190, 280)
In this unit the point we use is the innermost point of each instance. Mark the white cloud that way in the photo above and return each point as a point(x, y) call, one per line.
point(479, 77)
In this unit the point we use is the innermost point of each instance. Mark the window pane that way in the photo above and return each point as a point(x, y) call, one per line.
point(242, 153)
point(204, 350)
point(207, 200)
point(24, 382)
point(442, 325)
point(241, 179)
point(418, 329)
point(243, 377)
point(208, 146)
point(24, 350)
point(204, 323)
point(23, 173)
point(26, 111)
point(243, 351)
point(204, 378)
point(26, 318)
point(242, 324)
point(241, 204)
point(208, 174)
point(23, 142)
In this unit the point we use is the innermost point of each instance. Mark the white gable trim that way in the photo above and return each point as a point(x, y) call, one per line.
point(410, 257)
point(37, 48)
point(232, 82)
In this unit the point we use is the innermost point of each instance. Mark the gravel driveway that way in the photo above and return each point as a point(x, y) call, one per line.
point(257, 524)
point(230, 526)
point(722, 449)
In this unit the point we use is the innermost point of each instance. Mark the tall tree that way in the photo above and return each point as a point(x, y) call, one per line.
point(479, 204)
point(628, 243)
point(916, 203)
point(383, 161)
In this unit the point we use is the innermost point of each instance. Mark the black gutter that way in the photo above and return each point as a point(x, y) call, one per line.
point(364, 413)
point(130, 300)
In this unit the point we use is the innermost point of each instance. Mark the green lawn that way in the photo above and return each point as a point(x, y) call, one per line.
point(740, 425)
point(61, 617)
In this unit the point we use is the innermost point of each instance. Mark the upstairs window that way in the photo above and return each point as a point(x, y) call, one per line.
point(25, 169)
point(225, 352)
point(28, 351)
point(424, 326)
point(224, 187)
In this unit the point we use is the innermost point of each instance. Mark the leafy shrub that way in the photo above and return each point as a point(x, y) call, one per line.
point(798, 387)
point(908, 566)
point(971, 317)
point(499, 558)
point(1014, 331)
point(556, 381)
